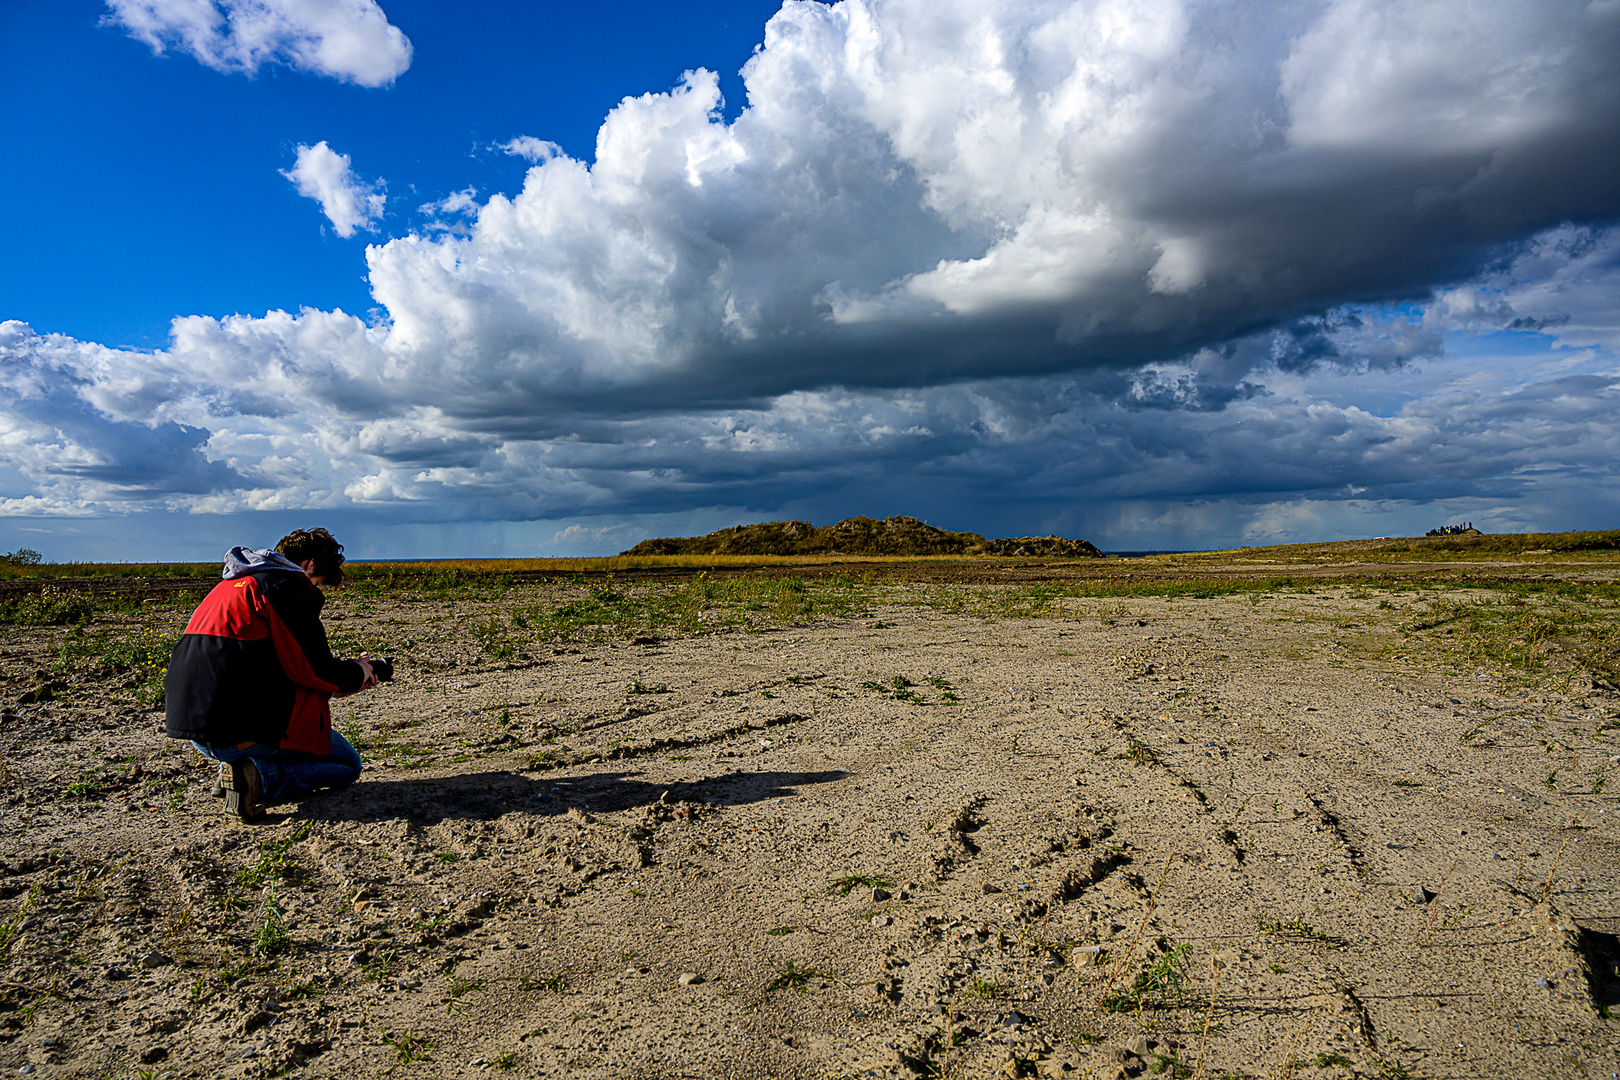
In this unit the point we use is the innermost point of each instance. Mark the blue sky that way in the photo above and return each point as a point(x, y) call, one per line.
point(514, 279)
point(153, 187)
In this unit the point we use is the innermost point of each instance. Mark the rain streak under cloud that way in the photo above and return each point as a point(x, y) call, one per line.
point(1158, 274)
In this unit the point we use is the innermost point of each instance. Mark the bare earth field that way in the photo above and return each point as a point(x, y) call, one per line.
point(899, 825)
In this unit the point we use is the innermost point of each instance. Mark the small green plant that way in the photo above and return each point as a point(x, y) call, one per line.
point(1599, 778)
point(1552, 778)
point(446, 856)
point(408, 1046)
point(1165, 979)
point(1139, 752)
point(493, 638)
point(985, 989)
point(555, 983)
point(270, 935)
point(351, 732)
point(505, 1060)
point(1328, 1061)
point(849, 882)
point(12, 930)
point(1299, 929)
point(83, 788)
point(275, 860)
point(1459, 916)
point(380, 966)
point(1169, 1065)
point(639, 687)
point(458, 989)
point(792, 977)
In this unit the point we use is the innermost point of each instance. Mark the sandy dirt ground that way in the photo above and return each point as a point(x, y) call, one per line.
point(1249, 836)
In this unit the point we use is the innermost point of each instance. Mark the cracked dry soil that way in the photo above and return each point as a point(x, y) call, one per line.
point(1150, 836)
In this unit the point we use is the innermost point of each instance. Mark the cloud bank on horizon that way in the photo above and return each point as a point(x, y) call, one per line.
point(1148, 256)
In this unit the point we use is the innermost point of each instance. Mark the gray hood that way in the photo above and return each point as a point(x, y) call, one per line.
point(240, 561)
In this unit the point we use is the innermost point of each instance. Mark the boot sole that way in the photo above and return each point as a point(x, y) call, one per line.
point(241, 798)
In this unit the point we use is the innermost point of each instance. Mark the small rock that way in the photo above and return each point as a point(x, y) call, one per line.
point(114, 974)
point(154, 960)
point(1544, 984)
point(881, 921)
point(989, 889)
point(880, 895)
point(1138, 1046)
point(690, 978)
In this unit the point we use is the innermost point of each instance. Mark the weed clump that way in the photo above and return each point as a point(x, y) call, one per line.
point(270, 935)
point(47, 608)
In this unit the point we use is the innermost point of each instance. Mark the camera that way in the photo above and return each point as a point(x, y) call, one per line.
point(382, 667)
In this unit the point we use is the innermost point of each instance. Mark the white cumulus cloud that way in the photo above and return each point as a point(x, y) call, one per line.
point(531, 148)
point(323, 174)
point(351, 40)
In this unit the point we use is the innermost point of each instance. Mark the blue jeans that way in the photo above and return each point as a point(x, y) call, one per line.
point(290, 774)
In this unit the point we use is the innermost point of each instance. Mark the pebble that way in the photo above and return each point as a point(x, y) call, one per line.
point(880, 895)
point(690, 978)
point(1544, 984)
point(881, 920)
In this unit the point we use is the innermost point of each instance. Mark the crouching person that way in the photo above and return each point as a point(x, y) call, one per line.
point(250, 680)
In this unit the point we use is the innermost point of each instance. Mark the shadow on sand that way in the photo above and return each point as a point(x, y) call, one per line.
point(428, 800)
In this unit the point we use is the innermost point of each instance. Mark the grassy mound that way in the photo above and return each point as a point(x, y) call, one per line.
point(860, 536)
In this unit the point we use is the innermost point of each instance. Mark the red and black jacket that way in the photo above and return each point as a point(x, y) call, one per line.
point(253, 664)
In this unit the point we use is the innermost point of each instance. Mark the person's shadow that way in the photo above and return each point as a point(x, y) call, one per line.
point(485, 795)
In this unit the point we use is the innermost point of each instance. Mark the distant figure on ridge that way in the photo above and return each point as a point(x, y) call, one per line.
point(250, 680)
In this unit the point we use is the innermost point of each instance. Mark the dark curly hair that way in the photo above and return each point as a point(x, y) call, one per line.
point(317, 544)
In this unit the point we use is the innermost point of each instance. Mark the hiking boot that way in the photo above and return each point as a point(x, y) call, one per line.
point(242, 791)
point(221, 779)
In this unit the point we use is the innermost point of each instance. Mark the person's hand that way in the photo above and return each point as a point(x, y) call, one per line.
point(366, 683)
